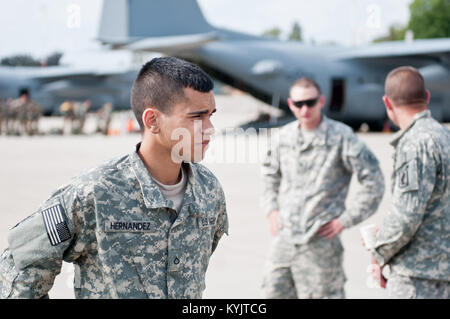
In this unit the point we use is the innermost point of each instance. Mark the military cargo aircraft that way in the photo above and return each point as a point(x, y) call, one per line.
point(352, 78)
point(50, 86)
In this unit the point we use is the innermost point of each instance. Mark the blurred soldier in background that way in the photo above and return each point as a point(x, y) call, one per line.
point(66, 110)
point(74, 112)
point(1, 116)
point(104, 118)
point(306, 177)
point(14, 113)
point(80, 110)
point(32, 114)
point(414, 239)
point(22, 115)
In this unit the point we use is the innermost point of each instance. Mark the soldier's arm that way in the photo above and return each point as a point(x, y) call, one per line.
point(37, 247)
point(414, 180)
point(271, 177)
point(222, 221)
point(359, 160)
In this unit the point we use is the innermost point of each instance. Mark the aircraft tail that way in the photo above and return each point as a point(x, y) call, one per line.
point(137, 22)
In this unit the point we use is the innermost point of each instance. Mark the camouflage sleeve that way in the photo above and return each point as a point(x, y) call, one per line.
point(36, 248)
point(222, 221)
point(271, 178)
point(409, 200)
point(358, 159)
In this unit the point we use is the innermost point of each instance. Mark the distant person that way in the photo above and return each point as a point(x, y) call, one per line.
point(23, 114)
point(80, 110)
point(66, 110)
point(306, 177)
point(143, 225)
point(22, 110)
point(9, 117)
point(104, 118)
point(2, 115)
point(414, 239)
point(32, 117)
point(16, 113)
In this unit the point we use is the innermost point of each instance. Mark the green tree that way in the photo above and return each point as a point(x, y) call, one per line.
point(272, 33)
point(20, 60)
point(296, 33)
point(395, 33)
point(54, 58)
point(430, 19)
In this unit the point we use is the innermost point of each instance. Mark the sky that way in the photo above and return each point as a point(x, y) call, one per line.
point(41, 27)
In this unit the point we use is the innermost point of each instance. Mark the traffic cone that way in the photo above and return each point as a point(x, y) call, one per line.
point(130, 125)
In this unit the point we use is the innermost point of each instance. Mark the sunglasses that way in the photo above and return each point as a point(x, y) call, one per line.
point(309, 103)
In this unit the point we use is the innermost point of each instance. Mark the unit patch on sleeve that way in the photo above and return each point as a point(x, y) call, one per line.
point(55, 225)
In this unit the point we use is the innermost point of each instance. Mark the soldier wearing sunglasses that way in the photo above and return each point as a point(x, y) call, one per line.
point(306, 177)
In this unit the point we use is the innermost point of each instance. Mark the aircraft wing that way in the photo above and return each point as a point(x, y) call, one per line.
point(429, 48)
point(52, 73)
point(172, 44)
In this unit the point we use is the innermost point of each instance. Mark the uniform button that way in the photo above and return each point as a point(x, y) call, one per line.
point(176, 261)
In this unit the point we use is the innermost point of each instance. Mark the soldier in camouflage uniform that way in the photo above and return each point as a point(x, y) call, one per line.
point(414, 239)
point(2, 113)
point(33, 114)
point(306, 177)
point(104, 116)
point(125, 233)
point(13, 107)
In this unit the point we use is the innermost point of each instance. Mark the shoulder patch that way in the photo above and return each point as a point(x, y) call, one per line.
point(407, 179)
point(55, 225)
point(403, 177)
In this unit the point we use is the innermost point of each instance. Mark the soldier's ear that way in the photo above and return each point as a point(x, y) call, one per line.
point(387, 103)
point(322, 101)
point(150, 119)
point(291, 104)
point(428, 95)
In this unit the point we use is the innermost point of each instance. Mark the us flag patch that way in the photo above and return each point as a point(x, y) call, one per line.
point(55, 225)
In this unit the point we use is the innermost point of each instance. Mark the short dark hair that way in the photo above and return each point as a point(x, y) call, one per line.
point(306, 82)
point(24, 91)
point(405, 86)
point(160, 84)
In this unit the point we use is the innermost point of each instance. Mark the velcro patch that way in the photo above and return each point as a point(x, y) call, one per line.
point(55, 225)
point(403, 177)
point(123, 226)
point(407, 177)
point(205, 221)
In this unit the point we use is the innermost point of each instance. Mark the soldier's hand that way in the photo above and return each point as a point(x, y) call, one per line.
point(377, 273)
point(274, 221)
point(331, 229)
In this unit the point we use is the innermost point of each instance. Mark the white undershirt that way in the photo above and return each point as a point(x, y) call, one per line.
point(174, 192)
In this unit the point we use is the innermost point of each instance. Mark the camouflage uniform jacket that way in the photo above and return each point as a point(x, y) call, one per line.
point(415, 235)
point(122, 235)
point(309, 182)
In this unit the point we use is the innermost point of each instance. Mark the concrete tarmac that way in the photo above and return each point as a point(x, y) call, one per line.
point(32, 167)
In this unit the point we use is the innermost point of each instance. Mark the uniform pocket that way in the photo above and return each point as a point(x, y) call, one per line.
point(133, 261)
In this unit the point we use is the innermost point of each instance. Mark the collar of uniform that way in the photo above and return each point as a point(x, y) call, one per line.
point(320, 134)
point(153, 196)
point(417, 117)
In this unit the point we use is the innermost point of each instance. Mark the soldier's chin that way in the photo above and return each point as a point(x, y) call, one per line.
point(198, 156)
point(193, 157)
